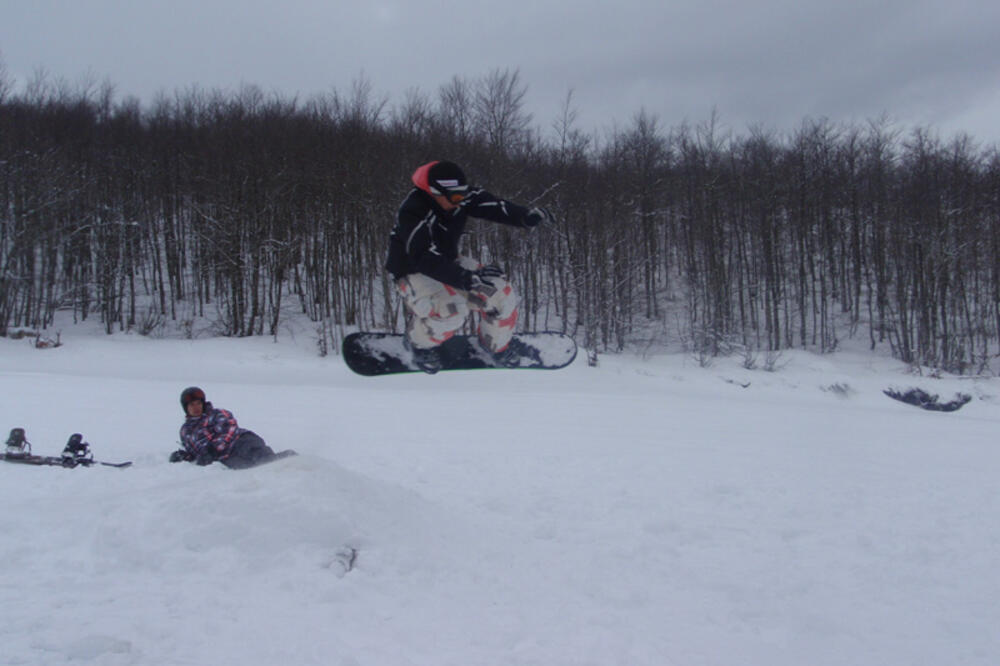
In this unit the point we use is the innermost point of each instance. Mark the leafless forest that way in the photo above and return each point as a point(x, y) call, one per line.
point(244, 208)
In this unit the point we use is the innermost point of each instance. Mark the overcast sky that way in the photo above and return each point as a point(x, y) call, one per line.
point(762, 62)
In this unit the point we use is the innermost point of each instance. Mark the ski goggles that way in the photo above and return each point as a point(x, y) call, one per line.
point(450, 190)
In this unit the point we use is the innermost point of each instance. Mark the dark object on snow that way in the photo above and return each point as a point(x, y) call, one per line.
point(924, 400)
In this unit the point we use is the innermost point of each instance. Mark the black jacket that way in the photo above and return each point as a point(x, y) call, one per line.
point(425, 238)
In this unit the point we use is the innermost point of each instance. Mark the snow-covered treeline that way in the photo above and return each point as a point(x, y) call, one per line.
point(240, 207)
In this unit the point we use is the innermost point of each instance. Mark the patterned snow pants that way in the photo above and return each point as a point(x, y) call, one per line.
point(438, 310)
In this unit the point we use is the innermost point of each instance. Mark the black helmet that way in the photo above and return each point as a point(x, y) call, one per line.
point(190, 394)
point(442, 178)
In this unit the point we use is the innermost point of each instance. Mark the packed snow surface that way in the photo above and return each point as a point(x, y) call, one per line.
point(648, 511)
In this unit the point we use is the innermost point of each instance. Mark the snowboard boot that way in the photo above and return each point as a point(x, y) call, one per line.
point(427, 359)
point(508, 357)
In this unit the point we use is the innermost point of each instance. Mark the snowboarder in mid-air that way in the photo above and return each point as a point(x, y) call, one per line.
point(211, 434)
point(440, 287)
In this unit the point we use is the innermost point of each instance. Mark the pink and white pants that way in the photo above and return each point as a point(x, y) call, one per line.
point(439, 310)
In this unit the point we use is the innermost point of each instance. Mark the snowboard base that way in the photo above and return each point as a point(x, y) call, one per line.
point(373, 354)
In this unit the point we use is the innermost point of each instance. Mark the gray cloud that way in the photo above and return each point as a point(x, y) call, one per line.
point(771, 62)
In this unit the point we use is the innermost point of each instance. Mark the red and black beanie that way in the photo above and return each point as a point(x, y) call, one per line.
point(441, 178)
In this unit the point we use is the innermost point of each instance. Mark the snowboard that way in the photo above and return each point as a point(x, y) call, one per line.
point(279, 455)
point(76, 454)
point(373, 354)
point(57, 461)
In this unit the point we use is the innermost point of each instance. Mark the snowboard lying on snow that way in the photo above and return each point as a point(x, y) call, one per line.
point(76, 453)
point(287, 453)
point(373, 354)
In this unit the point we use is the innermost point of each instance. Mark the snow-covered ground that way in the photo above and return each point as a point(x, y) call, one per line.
point(644, 512)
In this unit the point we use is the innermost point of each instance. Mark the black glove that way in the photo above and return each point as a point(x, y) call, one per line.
point(206, 457)
point(481, 277)
point(536, 216)
point(181, 455)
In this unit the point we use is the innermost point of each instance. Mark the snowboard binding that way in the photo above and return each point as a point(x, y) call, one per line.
point(17, 445)
point(77, 452)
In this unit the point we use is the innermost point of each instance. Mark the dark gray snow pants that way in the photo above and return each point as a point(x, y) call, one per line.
point(248, 450)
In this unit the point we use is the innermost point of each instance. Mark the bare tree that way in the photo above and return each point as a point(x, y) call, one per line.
point(239, 207)
point(6, 80)
point(498, 107)
point(455, 110)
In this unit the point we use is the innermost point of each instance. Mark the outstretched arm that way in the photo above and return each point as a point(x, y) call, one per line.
point(488, 206)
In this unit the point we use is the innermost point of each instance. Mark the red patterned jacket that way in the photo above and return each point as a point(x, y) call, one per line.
point(215, 428)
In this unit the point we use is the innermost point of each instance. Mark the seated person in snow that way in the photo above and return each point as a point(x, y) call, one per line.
point(211, 434)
